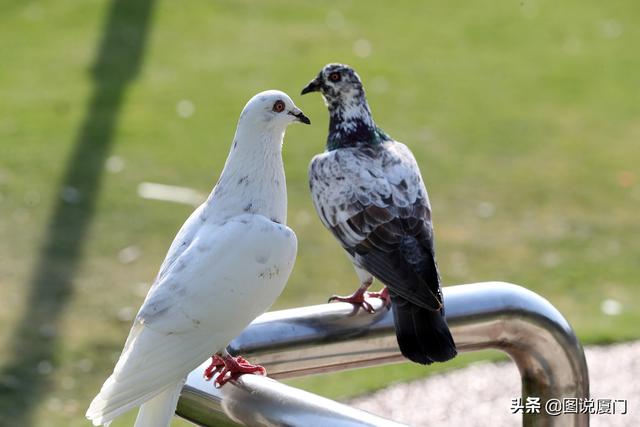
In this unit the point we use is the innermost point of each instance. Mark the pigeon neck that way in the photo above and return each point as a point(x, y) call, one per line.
point(351, 123)
point(253, 180)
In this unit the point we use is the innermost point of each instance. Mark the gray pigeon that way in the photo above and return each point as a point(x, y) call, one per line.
point(368, 191)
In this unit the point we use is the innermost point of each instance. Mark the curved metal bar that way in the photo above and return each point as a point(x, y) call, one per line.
point(253, 400)
point(492, 315)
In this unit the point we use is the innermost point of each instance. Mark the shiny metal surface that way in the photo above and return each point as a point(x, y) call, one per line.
point(330, 337)
point(259, 401)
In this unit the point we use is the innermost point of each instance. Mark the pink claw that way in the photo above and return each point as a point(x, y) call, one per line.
point(358, 298)
point(230, 368)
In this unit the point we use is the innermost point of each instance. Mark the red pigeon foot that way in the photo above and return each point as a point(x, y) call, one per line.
point(383, 295)
point(217, 364)
point(230, 368)
point(358, 298)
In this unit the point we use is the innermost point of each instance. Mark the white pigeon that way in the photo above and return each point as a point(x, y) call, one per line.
point(227, 265)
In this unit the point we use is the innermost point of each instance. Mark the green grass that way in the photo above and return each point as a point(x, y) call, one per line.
point(523, 116)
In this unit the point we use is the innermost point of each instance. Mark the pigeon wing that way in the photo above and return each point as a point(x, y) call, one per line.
point(212, 290)
point(374, 201)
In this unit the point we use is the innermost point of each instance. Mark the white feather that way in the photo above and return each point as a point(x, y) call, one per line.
point(227, 265)
point(159, 410)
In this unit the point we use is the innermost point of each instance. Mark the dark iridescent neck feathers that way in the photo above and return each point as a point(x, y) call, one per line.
point(350, 121)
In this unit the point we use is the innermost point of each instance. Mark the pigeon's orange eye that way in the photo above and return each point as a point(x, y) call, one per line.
point(334, 77)
point(278, 106)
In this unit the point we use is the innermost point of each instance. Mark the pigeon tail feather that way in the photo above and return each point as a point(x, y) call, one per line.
point(422, 334)
point(138, 378)
point(158, 411)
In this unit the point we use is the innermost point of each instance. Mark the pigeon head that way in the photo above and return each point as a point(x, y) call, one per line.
point(272, 109)
point(350, 120)
point(339, 84)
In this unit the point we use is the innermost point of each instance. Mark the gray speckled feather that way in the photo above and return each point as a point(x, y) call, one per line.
point(368, 191)
point(372, 198)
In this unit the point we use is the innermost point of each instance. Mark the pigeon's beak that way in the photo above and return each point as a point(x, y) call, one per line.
point(299, 115)
point(314, 86)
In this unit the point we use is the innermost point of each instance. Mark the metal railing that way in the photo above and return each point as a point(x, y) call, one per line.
point(330, 337)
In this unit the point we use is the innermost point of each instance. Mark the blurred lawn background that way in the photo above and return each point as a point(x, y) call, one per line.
point(524, 116)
